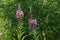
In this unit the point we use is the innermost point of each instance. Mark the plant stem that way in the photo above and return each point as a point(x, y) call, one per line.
point(43, 33)
point(20, 27)
point(35, 35)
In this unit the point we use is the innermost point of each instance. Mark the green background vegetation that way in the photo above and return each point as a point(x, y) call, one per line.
point(47, 14)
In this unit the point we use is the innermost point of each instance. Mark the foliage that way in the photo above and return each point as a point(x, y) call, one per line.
point(46, 12)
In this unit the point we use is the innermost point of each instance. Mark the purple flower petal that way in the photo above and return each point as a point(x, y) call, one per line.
point(19, 13)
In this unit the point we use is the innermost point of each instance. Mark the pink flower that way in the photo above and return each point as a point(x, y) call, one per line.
point(32, 21)
point(19, 14)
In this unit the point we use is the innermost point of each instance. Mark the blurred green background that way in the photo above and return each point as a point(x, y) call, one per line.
point(47, 13)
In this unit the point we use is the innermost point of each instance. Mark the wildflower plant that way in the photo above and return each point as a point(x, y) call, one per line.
point(20, 31)
point(33, 25)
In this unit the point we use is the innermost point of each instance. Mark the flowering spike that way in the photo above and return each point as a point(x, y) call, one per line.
point(32, 21)
point(19, 14)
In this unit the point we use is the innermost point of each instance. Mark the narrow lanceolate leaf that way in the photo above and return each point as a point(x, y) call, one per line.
point(20, 35)
point(39, 36)
point(24, 37)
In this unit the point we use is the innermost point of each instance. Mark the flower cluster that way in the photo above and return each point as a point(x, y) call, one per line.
point(32, 21)
point(19, 14)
